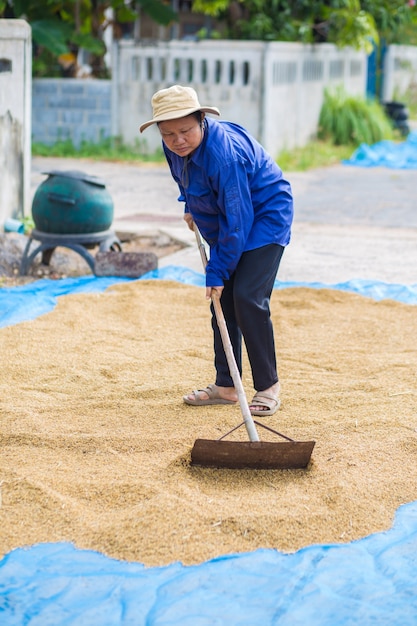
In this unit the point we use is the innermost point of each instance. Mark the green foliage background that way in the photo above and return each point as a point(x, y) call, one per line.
point(61, 27)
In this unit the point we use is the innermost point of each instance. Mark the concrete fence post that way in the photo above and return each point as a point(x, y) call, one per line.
point(15, 118)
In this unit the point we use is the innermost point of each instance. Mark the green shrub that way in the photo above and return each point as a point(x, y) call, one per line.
point(352, 120)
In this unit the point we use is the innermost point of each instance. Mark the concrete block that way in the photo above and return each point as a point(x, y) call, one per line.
point(128, 264)
point(42, 115)
point(59, 101)
point(98, 88)
point(42, 86)
point(84, 103)
point(104, 103)
point(102, 120)
point(70, 88)
point(72, 117)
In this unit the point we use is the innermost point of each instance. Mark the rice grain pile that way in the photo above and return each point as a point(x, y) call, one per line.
point(95, 439)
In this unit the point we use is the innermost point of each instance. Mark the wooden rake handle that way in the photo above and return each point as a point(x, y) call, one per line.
point(231, 361)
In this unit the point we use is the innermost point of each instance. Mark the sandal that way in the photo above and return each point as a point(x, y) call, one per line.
point(270, 402)
point(213, 397)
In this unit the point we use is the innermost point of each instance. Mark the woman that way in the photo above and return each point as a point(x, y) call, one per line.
point(236, 195)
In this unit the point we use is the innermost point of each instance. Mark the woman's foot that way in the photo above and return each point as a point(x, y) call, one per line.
point(266, 402)
point(212, 394)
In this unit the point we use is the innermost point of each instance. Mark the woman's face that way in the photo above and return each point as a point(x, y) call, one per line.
point(181, 136)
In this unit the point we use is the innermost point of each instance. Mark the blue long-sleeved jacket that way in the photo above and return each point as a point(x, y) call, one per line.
point(236, 195)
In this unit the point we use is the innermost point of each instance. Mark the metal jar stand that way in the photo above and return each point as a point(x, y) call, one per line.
point(107, 240)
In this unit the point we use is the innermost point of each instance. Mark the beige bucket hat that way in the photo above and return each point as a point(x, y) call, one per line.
point(175, 102)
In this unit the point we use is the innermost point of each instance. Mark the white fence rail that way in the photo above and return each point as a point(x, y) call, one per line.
point(274, 89)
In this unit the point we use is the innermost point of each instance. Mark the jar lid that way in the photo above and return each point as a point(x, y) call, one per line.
point(77, 175)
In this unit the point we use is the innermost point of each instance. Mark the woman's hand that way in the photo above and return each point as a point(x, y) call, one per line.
point(214, 292)
point(189, 220)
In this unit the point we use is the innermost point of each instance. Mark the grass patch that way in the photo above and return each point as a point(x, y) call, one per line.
point(108, 149)
point(314, 154)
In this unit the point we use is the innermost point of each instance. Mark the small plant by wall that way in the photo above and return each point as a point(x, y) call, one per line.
point(348, 120)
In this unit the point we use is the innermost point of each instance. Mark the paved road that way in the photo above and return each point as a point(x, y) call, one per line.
point(350, 222)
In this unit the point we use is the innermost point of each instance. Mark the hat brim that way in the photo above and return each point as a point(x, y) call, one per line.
point(177, 115)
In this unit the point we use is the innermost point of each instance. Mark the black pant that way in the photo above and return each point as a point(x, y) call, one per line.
point(245, 304)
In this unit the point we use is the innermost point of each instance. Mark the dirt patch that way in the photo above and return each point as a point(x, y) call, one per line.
point(67, 263)
point(95, 438)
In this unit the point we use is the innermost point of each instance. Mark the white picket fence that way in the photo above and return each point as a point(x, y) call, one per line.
point(274, 89)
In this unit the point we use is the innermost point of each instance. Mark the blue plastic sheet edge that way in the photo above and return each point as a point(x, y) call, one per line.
point(24, 303)
point(369, 581)
point(389, 154)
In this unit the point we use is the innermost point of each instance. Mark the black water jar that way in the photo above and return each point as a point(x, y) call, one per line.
point(72, 202)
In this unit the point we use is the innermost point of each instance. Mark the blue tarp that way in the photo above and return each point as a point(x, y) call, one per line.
point(368, 582)
point(398, 156)
point(19, 304)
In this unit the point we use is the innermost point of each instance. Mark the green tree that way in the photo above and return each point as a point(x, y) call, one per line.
point(60, 28)
point(355, 23)
point(394, 19)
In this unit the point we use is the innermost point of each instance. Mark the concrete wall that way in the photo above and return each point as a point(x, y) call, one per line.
point(70, 108)
point(400, 71)
point(296, 77)
point(274, 89)
point(140, 71)
point(15, 117)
